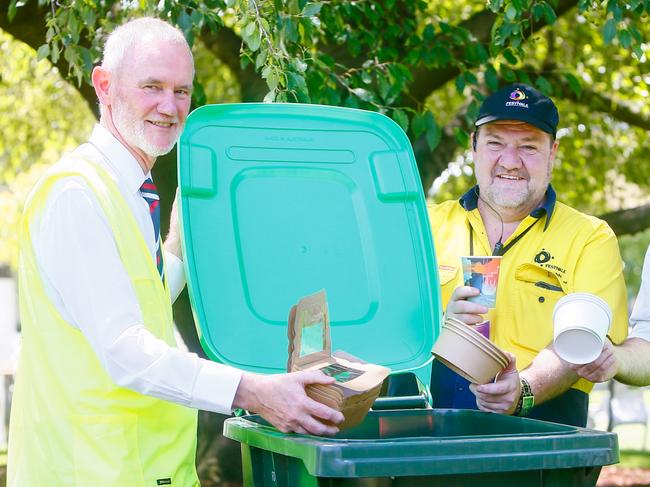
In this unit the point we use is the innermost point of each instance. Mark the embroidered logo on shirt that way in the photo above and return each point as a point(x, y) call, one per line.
point(542, 257)
point(167, 481)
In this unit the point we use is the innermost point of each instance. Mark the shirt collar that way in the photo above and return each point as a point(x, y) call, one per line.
point(118, 158)
point(469, 201)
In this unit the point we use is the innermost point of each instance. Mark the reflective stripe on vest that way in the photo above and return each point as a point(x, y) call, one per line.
point(70, 424)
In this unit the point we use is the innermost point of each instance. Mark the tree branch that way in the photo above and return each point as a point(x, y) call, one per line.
point(630, 221)
point(427, 80)
point(226, 46)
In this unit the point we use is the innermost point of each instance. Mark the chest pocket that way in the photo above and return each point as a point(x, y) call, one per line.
point(537, 291)
point(448, 277)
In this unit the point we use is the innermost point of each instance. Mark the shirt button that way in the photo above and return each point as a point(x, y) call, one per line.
point(541, 299)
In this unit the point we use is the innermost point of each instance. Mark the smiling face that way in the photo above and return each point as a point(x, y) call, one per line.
point(513, 162)
point(148, 98)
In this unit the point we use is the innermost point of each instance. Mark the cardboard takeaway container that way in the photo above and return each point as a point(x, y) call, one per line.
point(310, 348)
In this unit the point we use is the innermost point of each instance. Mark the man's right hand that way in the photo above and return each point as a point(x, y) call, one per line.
point(281, 400)
point(463, 310)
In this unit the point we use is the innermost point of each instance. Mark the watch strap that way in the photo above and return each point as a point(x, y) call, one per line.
point(526, 399)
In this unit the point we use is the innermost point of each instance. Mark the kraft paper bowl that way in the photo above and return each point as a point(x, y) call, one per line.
point(465, 356)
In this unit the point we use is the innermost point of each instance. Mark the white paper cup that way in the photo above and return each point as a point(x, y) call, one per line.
point(580, 324)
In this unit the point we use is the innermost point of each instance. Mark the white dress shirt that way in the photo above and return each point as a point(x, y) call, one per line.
point(640, 317)
point(85, 279)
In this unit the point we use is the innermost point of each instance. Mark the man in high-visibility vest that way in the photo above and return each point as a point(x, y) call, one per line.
point(103, 396)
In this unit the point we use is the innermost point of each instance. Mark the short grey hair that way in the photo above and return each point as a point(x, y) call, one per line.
point(125, 37)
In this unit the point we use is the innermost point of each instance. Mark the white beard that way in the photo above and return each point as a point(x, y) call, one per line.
point(132, 129)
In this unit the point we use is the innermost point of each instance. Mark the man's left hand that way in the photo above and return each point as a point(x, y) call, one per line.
point(602, 369)
point(502, 395)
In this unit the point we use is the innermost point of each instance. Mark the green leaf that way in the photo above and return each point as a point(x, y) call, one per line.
point(574, 83)
point(418, 124)
point(196, 19)
point(272, 80)
point(88, 16)
point(549, 14)
point(495, 5)
point(11, 12)
point(543, 84)
point(461, 136)
point(312, 9)
point(384, 86)
point(460, 83)
point(249, 28)
point(43, 52)
point(625, 38)
point(87, 59)
point(362, 94)
point(401, 118)
point(511, 12)
point(508, 74)
point(299, 65)
point(509, 56)
point(470, 78)
point(609, 31)
point(538, 11)
point(296, 81)
point(254, 40)
point(261, 59)
point(73, 28)
point(184, 22)
point(54, 53)
point(491, 78)
point(290, 30)
point(434, 133)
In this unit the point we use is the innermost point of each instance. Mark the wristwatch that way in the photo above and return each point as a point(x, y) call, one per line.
point(526, 399)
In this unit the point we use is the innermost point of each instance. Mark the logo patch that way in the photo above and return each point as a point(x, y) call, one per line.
point(542, 257)
point(518, 95)
point(167, 481)
point(517, 98)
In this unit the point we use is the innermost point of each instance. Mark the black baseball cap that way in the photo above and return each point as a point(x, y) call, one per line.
point(520, 102)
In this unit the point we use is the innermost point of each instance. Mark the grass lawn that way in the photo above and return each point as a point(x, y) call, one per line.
point(635, 459)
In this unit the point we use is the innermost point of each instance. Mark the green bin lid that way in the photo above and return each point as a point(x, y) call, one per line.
point(278, 201)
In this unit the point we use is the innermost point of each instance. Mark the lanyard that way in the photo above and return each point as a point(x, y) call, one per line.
point(501, 250)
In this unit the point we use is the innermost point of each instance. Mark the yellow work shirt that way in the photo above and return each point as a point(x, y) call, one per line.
point(563, 249)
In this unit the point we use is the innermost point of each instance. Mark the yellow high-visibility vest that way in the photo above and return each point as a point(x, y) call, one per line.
point(70, 424)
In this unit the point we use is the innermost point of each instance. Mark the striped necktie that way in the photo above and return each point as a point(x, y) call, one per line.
point(150, 194)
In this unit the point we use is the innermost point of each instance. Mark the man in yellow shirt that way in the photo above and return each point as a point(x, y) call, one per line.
point(548, 250)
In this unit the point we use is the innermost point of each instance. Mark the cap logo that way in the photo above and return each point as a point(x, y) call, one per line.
point(517, 98)
point(518, 95)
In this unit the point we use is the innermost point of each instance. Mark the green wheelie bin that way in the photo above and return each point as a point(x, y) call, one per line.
point(278, 201)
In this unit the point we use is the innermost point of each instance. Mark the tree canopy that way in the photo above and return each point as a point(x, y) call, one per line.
point(428, 65)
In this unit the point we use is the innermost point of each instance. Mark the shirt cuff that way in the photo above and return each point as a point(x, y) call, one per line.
point(641, 329)
point(215, 387)
point(175, 274)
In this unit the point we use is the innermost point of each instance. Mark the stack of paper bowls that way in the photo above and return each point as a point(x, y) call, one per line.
point(468, 353)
